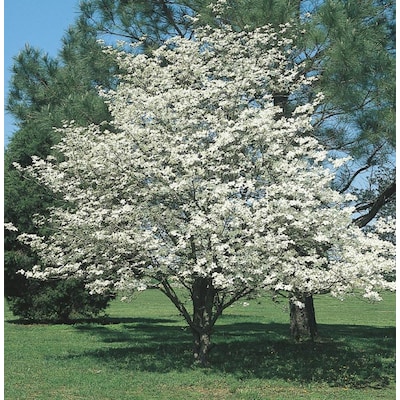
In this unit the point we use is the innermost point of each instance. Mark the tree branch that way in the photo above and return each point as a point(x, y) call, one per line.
point(380, 201)
point(366, 166)
point(168, 290)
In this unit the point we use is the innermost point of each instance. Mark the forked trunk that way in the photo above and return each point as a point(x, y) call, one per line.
point(203, 318)
point(303, 325)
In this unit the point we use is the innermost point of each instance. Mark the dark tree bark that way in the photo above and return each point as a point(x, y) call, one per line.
point(376, 205)
point(203, 296)
point(303, 324)
point(281, 100)
point(208, 305)
point(206, 310)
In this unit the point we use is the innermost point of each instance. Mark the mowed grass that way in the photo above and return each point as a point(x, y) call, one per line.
point(143, 351)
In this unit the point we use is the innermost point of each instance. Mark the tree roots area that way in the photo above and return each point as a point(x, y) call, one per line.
point(142, 350)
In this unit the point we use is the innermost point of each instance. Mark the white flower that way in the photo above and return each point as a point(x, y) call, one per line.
point(10, 227)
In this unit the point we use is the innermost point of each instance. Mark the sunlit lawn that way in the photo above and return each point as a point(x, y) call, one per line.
point(143, 351)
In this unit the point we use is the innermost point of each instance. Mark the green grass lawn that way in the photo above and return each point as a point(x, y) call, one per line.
point(143, 351)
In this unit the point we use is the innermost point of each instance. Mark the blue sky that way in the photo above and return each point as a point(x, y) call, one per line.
point(41, 24)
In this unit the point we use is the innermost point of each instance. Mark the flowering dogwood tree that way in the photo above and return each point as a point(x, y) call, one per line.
point(202, 188)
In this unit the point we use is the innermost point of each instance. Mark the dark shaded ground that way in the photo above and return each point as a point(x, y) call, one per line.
point(343, 355)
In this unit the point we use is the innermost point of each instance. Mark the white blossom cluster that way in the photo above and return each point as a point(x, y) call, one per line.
point(202, 176)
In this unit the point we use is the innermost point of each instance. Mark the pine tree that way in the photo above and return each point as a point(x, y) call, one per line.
point(44, 92)
point(350, 47)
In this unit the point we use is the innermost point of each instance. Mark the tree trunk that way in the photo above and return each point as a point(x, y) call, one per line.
point(203, 294)
point(201, 348)
point(303, 325)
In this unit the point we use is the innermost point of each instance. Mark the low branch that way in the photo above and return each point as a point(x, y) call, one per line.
point(242, 293)
point(167, 289)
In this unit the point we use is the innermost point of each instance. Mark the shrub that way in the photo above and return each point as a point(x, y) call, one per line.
point(57, 301)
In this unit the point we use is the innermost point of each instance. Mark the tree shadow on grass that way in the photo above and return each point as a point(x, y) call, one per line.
point(344, 355)
point(350, 356)
point(102, 320)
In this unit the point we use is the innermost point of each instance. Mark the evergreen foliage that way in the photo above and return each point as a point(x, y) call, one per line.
point(44, 93)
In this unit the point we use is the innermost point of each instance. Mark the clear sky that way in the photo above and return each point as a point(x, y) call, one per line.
point(39, 23)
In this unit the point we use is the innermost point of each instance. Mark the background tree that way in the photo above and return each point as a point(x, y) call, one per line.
point(350, 47)
point(148, 22)
point(353, 54)
point(203, 187)
point(44, 92)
